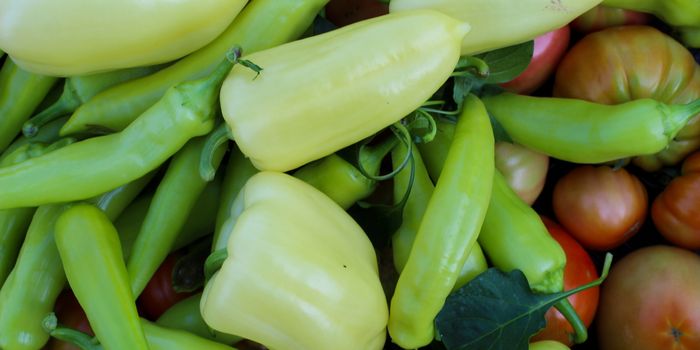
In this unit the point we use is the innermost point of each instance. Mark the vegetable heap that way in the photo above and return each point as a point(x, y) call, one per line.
point(295, 181)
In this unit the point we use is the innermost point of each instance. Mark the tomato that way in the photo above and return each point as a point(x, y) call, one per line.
point(601, 17)
point(651, 301)
point(675, 212)
point(625, 63)
point(344, 12)
point(69, 314)
point(579, 270)
point(547, 345)
point(600, 206)
point(549, 50)
point(159, 294)
point(524, 169)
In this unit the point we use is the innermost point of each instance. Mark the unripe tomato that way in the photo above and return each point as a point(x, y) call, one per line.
point(524, 169)
point(625, 63)
point(549, 50)
point(601, 17)
point(600, 206)
point(579, 270)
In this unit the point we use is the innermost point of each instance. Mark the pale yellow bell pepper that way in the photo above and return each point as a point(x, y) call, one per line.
point(300, 273)
point(75, 37)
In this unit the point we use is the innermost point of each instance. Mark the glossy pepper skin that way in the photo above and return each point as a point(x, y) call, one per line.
point(20, 93)
point(260, 25)
point(580, 131)
point(621, 64)
point(89, 247)
point(186, 111)
point(174, 199)
point(421, 191)
point(678, 13)
point(448, 230)
point(500, 23)
point(185, 315)
point(23, 309)
point(131, 32)
point(356, 83)
point(332, 298)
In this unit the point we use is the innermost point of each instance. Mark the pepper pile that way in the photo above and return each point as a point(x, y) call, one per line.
point(320, 187)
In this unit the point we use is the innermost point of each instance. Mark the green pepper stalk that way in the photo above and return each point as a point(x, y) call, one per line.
point(678, 13)
point(185, 315)
point(78, 90)
point(96, 165)
point(238, 170)
point(20, 93)
point(38, 265)
point(47, 134)
point(157, 337)
point(448, 230)
point(421, 190)
point(260, 25)
point(174, 199)
point(89, 247)
point(579, 131)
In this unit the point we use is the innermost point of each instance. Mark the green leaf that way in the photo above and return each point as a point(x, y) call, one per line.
point(507, 63)
point(498, 311)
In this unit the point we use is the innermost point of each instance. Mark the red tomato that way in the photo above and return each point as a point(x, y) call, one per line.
point(549, 50)
point(579, 270)
point(601, 17)
point(651, 301)
point(70, 314)
point(524, 169)
point(344, 12)
point(691, 164)
point(601, 207)
point(159, 294)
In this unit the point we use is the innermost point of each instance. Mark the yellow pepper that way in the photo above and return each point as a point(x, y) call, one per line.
point(500, 23)
point(317, 95)
point(75, 37)
point(300, 273)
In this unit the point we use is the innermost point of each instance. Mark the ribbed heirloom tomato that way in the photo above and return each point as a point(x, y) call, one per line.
point(600, 206)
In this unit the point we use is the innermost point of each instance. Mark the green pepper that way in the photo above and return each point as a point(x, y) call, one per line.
point(356, 84)
point(690, 36)
point(185, 315)
point(678, 13)
point(261, 24)
point(421, 190)
point(20, 93)
point(47, 134)
point(332, 296)
point(78, 90)
point(448, 229)
point(96, 165)
point(585, 132)
point(174, 199)
point(90, 252)
point(22, 308)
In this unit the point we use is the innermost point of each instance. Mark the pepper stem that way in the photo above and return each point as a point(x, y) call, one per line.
point(580, 330)
point(678, 116)
point(73, 336)
point(209, 161)
point(471, 65)
point(400, 132)
point(214, 262)
point(66, 103)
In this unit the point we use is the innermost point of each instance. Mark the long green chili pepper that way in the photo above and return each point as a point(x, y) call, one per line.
point(173, 201)
point(89, 247)
point(421, 191)
point(95, 165)
point(434, 152)
point(342, 181)
point(260, 25)
point(20, 93)
point(448, 230)
point(38, 265)
point(47, 134)
point(157, 337)
point(238, 170)
point(185, 315)
point(78, 90)
point(680, 13)
point(579, 131)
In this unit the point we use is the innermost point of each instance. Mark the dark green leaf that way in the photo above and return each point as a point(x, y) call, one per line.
point(463, 85)
point(507, 63)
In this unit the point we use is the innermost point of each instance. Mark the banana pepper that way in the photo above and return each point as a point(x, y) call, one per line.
point(357, 80)
point(500, 23)
point(75, 37)
point(300, 273)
